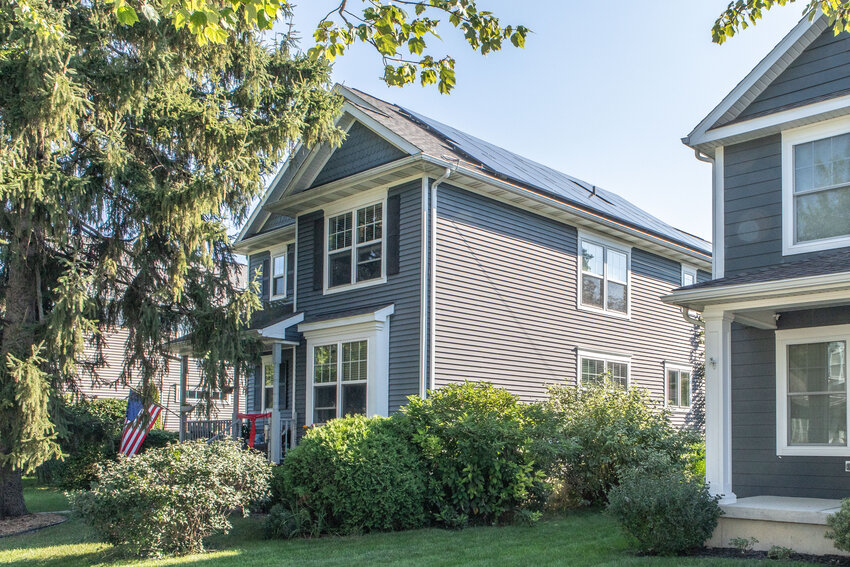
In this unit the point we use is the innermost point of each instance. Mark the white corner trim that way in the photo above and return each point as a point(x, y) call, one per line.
point(803, 336)
point(423, 289)
point(607, 243)
point(791, 138)
point(379, 316)
point(278, 330)
point(718, 238)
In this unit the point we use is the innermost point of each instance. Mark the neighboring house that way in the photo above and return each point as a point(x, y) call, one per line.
point(415, 255)
point(777, 316)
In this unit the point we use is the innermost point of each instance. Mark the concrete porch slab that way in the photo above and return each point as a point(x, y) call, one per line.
point(782, 509)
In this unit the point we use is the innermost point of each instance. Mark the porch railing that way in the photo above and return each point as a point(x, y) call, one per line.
point(207, 428)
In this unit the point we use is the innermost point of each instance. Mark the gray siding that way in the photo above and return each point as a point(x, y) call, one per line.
point(821, 71)
point(402, 289)
point(753, 206)
point(361, 150)
point(756, 469)
point(507, 304)
point(255, 263)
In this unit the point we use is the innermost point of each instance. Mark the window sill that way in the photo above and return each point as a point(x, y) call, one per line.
point(816, 245)
point(813, 451)
point(358, 285)
point(616, 314)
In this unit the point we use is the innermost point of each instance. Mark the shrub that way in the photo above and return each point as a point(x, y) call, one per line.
point(352, 475)
point(614, 429)
point(284, 522)
point(665, 510)
point(839, 526)
point(167, 500)
point(486, 454)
point(158, 438)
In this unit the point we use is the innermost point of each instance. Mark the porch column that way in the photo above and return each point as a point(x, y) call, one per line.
point(184, 372)
point(718, 404)
point(235, 399)
point(275, 449)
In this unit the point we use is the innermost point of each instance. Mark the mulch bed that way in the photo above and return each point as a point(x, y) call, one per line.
point(731, 553)
point(29, 523)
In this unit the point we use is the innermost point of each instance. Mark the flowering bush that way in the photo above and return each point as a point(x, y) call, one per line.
point(168, 499)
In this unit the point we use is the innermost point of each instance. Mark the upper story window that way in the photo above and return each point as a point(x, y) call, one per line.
point(816, 187)
point(689, 276)
point(604, 277)
point(811, 373)
point(355, 246)
point(281, 276)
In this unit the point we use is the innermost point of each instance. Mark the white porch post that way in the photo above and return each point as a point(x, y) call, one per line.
point(718, 404)
point(184, 372)
point(275, 449)
point(237, 426)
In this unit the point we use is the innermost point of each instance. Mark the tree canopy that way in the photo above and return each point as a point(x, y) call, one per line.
point(741, 14)
point(131, 133)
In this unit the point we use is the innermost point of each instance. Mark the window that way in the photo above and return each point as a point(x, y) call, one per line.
point(812, 391)
point(816, 187)
point(678, 386)
point(340, 374)
point(604, 278)
point(268, 386)
point(355, 246)
point(596, 367)
point(279, 276)
point(689, 276)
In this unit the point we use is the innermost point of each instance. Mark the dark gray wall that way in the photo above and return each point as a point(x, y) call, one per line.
point(361, 150)
point(821, 71)
point(506, 303)
point(753, 206)
point(402, 289)
point(756, 469)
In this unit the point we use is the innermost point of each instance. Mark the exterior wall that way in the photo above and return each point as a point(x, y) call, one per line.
point(107, 384)
point(402, 289)
point(756, 469)
point(361, 150)
point(821, 71)
point(507, 304)
point(753, 206)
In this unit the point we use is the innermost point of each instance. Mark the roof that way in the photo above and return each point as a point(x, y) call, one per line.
point(274, 312)
point(825, 263)
point(347, 313)
point(442, 141)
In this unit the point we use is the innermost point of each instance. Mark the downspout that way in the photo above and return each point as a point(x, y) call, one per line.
point(686, 314)
point(432, 316)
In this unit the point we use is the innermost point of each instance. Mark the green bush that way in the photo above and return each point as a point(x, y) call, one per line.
point(284, 522)
point(614, 429)
point(158, 438)
point(486, 454)
point(839, 526)
point(167, 500)
point(353, 475)
point(89, 433)
point(665, 510)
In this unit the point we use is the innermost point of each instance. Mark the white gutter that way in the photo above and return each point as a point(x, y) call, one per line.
point(432, 320)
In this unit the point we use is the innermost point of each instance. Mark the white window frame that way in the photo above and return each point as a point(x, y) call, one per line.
point(278, 252)
point(266, 361)
point(791, 138)
point(605, 357)
point(796, 337)
point(339, 383)
point(372, 327)
point(606, 244)
point(670, 366)
point(352, 205)
point(688, 270)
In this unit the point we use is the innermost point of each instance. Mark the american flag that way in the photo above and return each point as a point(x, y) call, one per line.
point(136, 426)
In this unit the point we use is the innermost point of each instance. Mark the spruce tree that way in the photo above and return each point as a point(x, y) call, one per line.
point(127, 145)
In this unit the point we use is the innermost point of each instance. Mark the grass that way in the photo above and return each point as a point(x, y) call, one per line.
point(580, 538)
point(43, 498)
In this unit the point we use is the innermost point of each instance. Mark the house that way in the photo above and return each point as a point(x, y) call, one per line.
point(777, 314)
point(415, 255)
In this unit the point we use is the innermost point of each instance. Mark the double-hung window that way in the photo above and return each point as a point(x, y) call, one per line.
point(267, 390)
point(340, 374)
point(604, 277)
point(689, 276)
point(596, 367)
point(678, 386)
point(816, 187)
point(355, 246)
point(283, 273)
point(811, 372)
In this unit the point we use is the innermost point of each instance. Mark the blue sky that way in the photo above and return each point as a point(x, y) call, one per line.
point(603, 91)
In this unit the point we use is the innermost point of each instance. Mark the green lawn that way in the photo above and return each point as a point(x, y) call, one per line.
point(43, 498)
point(581, 538)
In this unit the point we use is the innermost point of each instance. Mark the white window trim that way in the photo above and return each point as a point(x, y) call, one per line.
point(619, 247)
point(791, 138)
point(803, 336)
point(278, 252)
point(374, 328)
point(688, 270)
point(678, 368)
point(339, 383)
point(350, 206)
point(607, 357)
